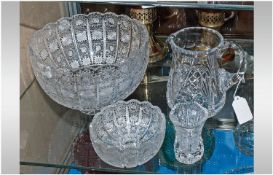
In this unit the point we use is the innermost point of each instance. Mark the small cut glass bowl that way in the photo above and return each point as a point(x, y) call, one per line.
point(128, 134)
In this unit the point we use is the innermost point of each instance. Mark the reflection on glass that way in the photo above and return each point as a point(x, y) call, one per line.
point(244, 138)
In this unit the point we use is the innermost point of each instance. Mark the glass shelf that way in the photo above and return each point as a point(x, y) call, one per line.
point(217, 5)
point(74, 7)
point(221, 153)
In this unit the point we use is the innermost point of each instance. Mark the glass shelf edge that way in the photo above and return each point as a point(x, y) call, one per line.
point(62, 166)
point(177, 4)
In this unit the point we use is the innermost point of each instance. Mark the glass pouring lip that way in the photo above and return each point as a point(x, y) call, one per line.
point(190, 52)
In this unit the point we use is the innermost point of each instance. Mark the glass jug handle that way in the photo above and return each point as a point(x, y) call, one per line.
point(229, 79)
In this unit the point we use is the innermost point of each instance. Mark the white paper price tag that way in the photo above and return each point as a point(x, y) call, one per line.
point(241, 109)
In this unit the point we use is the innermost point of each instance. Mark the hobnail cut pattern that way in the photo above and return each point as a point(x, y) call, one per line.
point(128, 134)
point(86, 62)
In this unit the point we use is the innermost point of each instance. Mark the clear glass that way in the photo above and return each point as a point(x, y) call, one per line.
point(244, 137)
point(48, 137)
point(86, 62)
point(128, 134)
point(188, 119)
point(195, 73)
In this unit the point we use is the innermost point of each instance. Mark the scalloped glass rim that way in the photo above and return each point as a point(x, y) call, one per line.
point(144, 30)
point(128, 102)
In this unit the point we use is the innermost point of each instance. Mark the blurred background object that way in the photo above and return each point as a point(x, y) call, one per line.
point(88, 8)
point(172, 16)
point(148, 16)
point(214, 19)
point(170, 20)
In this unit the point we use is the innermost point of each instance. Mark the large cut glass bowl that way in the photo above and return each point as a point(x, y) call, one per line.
point(128, 134)
point(86, 62)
